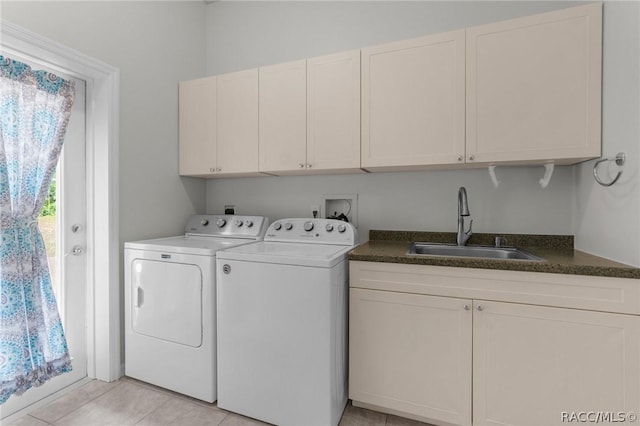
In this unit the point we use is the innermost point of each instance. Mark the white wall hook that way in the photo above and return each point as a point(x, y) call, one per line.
point(492, 174)
point(548, 171)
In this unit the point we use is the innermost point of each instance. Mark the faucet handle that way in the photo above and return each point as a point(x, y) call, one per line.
point(469, 232)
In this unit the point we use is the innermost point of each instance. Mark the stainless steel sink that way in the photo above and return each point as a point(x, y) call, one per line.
point(484, 252)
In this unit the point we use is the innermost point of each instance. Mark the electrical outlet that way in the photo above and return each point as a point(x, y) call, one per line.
point(314, 211)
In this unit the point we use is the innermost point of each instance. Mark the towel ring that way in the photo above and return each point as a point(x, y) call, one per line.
point(619, 159)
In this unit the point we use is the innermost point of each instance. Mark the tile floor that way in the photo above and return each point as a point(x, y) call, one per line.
point(131, 402)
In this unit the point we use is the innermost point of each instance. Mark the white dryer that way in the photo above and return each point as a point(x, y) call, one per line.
point(282, 323)
point(170, 300)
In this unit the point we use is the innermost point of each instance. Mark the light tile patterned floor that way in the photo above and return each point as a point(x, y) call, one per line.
point(131, 402)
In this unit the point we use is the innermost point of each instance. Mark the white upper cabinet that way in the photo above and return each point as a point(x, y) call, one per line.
point(522, 91)
point(219, 125)
point(333, 112)
point(310, 115)
point(197, 100)
point(237, 129)
point(283, 117)
point(413, 102)
point(534, 88)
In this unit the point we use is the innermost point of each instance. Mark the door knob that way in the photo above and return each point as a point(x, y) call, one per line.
point(76, 227)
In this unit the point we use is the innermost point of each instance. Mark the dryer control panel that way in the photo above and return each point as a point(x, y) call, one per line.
point(318, 231)
point(227, 225)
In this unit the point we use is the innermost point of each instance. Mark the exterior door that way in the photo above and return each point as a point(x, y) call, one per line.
point(63, 226)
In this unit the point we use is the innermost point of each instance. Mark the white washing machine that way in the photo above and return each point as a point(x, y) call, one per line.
point(170, 300)
point(282, 323)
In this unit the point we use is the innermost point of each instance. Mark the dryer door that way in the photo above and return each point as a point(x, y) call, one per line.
point(167, 301)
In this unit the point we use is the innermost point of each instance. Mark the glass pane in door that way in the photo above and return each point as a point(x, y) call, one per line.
point(47, 222)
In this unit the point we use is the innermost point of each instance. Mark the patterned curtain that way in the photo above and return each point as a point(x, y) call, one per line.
point(34, 111)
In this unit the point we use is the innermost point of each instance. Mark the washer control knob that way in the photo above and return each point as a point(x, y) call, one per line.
point(329, 227)
point(288, 226)
point(204, 222)
point(277, 226)
point(249, 223)
point(239, 222)
point(342, 228)
point(221, 222)
point(308, 226)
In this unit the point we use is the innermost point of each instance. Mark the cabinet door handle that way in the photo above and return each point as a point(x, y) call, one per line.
point(471, 158)
point(301, 165)
point(459, 157)
point(480, 308)
point(308, 165)
point(218, 170)
point(467, 307)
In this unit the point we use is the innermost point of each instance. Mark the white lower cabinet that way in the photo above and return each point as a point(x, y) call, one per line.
point(434, 357)
point(535, 365)
point(411, 353)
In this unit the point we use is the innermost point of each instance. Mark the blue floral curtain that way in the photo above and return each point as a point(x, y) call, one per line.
point(34, 112)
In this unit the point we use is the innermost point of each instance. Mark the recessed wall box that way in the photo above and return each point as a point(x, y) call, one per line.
point(334, 205)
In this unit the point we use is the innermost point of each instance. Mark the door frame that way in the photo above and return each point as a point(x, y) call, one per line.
point(102, 127)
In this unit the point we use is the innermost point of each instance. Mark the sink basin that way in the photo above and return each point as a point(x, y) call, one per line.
point(484, 252)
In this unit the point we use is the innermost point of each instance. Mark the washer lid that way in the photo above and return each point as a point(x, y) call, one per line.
point(301, 254)
point(187, 244)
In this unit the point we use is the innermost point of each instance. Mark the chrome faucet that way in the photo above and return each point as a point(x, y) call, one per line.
point(463, 210)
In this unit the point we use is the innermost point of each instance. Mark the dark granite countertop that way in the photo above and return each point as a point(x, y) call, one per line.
point(557, 250)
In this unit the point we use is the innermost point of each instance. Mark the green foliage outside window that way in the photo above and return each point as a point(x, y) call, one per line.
point(49, 207)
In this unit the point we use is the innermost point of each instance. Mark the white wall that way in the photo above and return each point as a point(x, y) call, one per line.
point(413, 201)
point(246, 34)
point(243, 35)
point(607, 220)
point(155, 45)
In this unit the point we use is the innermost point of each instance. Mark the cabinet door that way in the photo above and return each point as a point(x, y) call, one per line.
point(197, 105)
point(283, 117)
point(333, 112)
point(531, 364)
point(411, 354)
point(534, 87)
point(237, 135)
point(413, 102)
